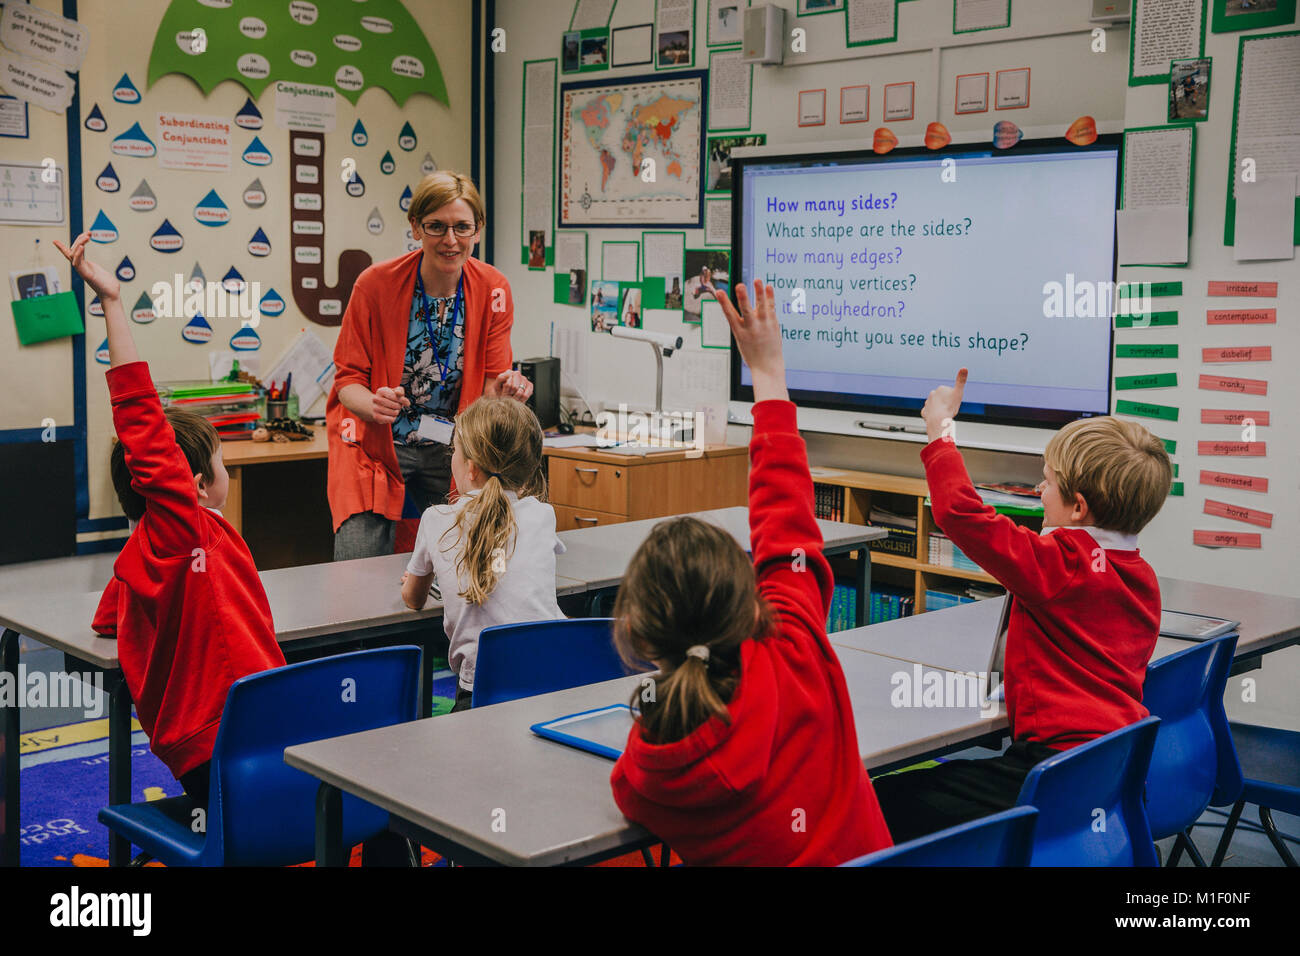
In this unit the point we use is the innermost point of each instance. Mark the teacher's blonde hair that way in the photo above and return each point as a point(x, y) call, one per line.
point(438, 189)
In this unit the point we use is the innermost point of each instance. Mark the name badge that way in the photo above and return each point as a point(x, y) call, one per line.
point(436, 429)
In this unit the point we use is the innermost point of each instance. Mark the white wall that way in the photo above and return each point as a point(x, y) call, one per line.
point(1069, 79)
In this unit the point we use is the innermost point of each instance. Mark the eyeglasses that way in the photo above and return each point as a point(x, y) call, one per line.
point(462, 230)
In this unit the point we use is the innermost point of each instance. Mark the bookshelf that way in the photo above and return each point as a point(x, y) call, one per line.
point(854, 495)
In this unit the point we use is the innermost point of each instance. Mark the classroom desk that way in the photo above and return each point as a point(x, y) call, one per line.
point(600, 555)
point(479, 787)
point(961, 638)
point(277, 499)
point(315, 608)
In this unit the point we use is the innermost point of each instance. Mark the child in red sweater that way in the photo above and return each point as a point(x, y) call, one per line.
point(185, 602)
point(745, 752)
point(1085, 606)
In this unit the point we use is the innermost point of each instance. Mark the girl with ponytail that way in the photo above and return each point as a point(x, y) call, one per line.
point(492, 549)
point(744, 751)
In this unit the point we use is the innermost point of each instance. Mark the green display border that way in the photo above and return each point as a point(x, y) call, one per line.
point(646, 278)
point(620, 242)
point(586, 258)
point(956, 32)
point(585, 35)
point(708, 26)
point(800, 12)
point(888, 39)
point(749, 122)
point(1133, 32)
point(1230, 203)
point(654, 50)
point(1191, 187)
point(1283, 16)
point(1209, 88)
point(555, 99)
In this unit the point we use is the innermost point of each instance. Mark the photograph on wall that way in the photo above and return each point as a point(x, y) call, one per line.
point(571, 58)
point(706, 269)
point(675, 48)
point(1230, 16)
point(577, 286)
point(629, 313)
point(605, 304)
point(725, 22)
point(1189, 89)
point(631, 151)
point(718, 176)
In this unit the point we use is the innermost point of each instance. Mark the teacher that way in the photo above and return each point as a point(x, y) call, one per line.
point(424, 335)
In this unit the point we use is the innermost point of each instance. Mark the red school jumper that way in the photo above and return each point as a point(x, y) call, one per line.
point(782, 783)
point(1084, 618)
point(185, 602)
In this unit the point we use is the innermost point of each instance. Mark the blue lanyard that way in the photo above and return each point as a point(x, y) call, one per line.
point(426, 310)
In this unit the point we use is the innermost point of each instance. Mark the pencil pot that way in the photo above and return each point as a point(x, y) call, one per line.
point(277, 409)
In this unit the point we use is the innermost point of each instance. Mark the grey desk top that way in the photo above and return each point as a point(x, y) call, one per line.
point(960, 638)
point(307, 601)
point(455, 774)
point(601, 554)
point(86, 572)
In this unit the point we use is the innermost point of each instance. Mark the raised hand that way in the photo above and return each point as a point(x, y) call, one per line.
point(941, 407)
point(96, 276)
point(758, 335)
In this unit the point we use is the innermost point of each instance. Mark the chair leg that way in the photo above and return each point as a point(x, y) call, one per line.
point(140, 860)
point(1228, 828)
point(1185, 838)
point(665, 854)
point(413, 854)
point(647, 857)
point(1176, 853)
point(1270, 830)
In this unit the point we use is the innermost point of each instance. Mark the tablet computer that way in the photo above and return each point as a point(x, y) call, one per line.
point(602, 731)
point(1194, 627)
point(997, 659)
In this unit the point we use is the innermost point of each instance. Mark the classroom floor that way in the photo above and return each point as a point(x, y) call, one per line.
point(1264, 696)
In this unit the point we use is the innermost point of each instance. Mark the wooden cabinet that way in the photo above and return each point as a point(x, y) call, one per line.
point(591, 486)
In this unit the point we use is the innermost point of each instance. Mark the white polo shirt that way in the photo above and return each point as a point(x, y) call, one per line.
point(525, 591)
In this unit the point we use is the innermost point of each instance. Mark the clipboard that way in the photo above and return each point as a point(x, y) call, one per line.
point(602, 731)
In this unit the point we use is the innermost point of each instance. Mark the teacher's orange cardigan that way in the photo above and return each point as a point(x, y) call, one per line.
point(363, 471)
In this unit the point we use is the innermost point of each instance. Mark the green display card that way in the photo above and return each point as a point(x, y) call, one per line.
point(1146, 410)
point(1129, 290)
point(1146, 351)
point(47, 317)
point(1146, 320)
point(1157, 380)
point(1176, 489)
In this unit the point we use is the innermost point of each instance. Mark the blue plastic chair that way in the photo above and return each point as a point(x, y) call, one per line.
point(523, 660)
point(1003, 839)
point(1089, 801)
point(1270, 764)
point(261, 811)
point(1194, 763)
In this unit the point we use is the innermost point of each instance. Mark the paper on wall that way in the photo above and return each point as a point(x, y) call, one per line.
point(45, 86)
point(30, 31)
point(1152, 235)
point(1265, 222)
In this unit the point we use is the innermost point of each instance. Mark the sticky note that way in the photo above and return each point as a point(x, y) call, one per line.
point(1253, 353)
point(1267, 290)
point(1146, 320)
point(1176, 489)
point(1249, 449)
point(1243, 386)
point(1241, 316)
point(1231, 416)
point(1223, 479)
point(1226, 539)
point(1160, 380)
point(1146, 410)
point(1222, 509)
point(1146, 351)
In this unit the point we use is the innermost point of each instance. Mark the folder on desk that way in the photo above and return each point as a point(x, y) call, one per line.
point(602, 731)
point(1193, 627)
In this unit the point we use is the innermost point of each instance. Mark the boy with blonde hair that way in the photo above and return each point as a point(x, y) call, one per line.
point(1085, 605)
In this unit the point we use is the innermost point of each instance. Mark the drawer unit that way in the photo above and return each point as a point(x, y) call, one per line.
point(567, 518)
point(588, 484)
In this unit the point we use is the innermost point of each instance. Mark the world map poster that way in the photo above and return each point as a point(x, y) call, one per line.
point(631, 151)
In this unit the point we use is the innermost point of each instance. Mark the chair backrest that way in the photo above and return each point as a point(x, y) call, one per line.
point(1003, 839)
point(1089, 800)
point(261, 811)
point(522, 660)
point(1194, 760)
